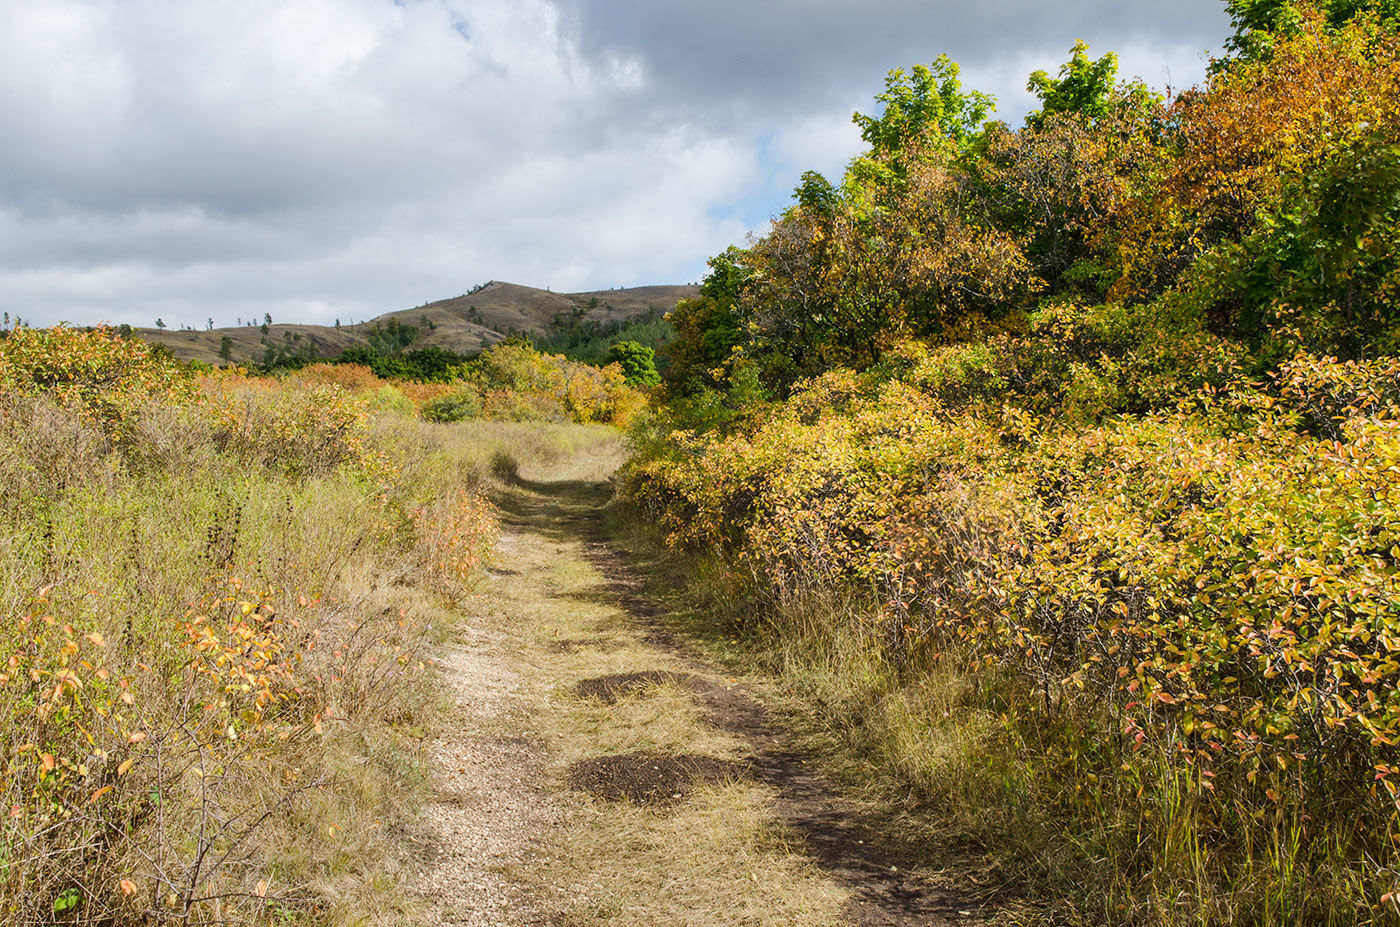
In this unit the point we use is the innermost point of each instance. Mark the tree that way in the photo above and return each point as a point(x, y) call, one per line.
point(638, 363)
point(226, 348)
point(358, 354)
point(1085, 87)
point(925, 111)
point(210, 323)
point(267, 318)
point(929, 97)
point(1258, 23)
point(1275, 223)
point(708, 327)
point(160, 323)
point(432, 364)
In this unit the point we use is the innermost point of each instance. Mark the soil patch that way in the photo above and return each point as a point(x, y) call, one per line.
point(575, 644)
point(650, 778)
point(612, 689)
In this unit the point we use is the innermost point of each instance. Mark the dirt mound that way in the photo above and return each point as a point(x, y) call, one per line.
point(611, 689)
point(649, 778)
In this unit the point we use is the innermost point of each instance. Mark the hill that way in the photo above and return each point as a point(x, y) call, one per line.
point(464, 324)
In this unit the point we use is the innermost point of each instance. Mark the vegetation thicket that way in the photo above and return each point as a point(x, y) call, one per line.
point(581, 338)
point(1063, 463)
point(216, 593)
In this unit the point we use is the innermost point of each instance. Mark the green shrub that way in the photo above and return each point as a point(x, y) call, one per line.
point(459, 405)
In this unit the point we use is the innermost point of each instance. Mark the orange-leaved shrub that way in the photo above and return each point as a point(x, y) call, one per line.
point(455, 534)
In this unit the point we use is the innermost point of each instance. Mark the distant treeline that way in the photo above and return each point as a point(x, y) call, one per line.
point(589, 340)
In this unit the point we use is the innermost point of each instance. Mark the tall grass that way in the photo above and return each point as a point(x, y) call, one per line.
point(216, 598)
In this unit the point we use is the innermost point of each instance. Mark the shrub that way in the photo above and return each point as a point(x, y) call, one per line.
point(96, 372)
point(1211, 591)
point(461, 404)
point(198, 638)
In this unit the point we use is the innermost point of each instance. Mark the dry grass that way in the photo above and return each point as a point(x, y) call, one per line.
point(216, 692)
point(718, 860)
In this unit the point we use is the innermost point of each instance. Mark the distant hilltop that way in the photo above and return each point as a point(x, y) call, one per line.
point(465, 324)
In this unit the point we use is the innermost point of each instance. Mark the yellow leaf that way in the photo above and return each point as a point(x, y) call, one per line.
point(124, 766)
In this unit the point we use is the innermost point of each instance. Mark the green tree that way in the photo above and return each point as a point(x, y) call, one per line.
point(925, 112)
point(1085, 87)
point(160, 323)
point(638, 363)
point(927, 98)
point(708, 327)
point(226, 348)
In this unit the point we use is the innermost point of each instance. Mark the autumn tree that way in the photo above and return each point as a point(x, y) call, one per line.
point(1258, 22)
point(1275, 221)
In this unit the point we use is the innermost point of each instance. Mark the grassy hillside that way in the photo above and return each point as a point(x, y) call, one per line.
point(464, 324)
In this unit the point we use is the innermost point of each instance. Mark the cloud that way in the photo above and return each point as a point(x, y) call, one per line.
point(740, 59)
point(324, 158)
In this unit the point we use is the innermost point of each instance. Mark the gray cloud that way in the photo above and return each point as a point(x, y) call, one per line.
point(738, 56)
point(324, 158)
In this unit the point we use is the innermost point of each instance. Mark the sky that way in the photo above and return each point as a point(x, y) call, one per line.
point(335, 159)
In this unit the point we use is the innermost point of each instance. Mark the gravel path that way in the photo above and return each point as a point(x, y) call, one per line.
point(491, 805)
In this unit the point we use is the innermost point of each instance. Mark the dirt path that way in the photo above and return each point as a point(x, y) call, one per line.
point(593, 769)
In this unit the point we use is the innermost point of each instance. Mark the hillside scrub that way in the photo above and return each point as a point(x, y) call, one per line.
point(217, 591)
point(510, 381)
point(1061, 465)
